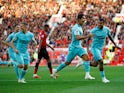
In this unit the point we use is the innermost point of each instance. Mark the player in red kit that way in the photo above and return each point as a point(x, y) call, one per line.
point(42, 52)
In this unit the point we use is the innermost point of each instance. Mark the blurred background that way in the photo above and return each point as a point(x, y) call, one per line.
point(61, 16)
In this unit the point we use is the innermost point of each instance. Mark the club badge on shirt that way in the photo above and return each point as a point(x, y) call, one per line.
point(42, 36)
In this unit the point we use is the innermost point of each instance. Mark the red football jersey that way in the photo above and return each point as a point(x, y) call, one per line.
point(43, 37)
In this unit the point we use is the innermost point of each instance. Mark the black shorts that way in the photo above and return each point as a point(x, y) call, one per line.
point(43, 53)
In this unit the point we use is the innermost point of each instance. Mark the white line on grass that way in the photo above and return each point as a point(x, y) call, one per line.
point(42, 80)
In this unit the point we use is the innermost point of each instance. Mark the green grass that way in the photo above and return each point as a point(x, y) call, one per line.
point(71, 80)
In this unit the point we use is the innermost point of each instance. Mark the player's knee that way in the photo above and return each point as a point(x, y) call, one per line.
point(85, 57)
point(94, 64)
point(21, 66)
point(101, 62)
point(25, 67)
point(67, 63)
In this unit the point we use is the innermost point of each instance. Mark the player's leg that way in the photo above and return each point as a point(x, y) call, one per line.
point(83, 54)
point(102, 73)
point(24, 71)
point(12, 57)
point(36, 69)
point(40, 54)
point(46, 56)
point(26, 58)
point(15, 65)
point(97, 54)
point(71, 54)
point(3, 63)
point(92, 62)
point(80, 62)
point(87, 67)
point(18, 68)
point(59, 68)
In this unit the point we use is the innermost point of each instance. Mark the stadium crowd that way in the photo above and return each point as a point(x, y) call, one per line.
point(37, 12)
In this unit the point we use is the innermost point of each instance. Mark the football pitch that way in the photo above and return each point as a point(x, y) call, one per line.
point(71, 80)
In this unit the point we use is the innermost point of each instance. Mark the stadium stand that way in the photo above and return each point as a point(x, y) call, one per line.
point(38, 12)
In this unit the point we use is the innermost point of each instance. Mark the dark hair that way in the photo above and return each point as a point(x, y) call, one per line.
point(80, 15)
point(101, 20)
point(46, 25)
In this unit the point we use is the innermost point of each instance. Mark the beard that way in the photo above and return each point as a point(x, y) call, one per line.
point(100, 27)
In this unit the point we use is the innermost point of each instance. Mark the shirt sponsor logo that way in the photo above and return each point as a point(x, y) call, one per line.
point(23, 41)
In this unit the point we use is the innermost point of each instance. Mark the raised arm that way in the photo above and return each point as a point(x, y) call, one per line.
point(78, 37)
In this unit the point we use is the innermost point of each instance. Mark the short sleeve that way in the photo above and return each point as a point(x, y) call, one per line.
point(92, 31)
point(32, 38)
point(108, 32)
point(15, 37)
point(9, 38)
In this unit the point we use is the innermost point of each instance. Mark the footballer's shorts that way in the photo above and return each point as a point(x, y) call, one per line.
point(73, 52)
point(23, 58)
point(97, 54)
point(43, 54)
